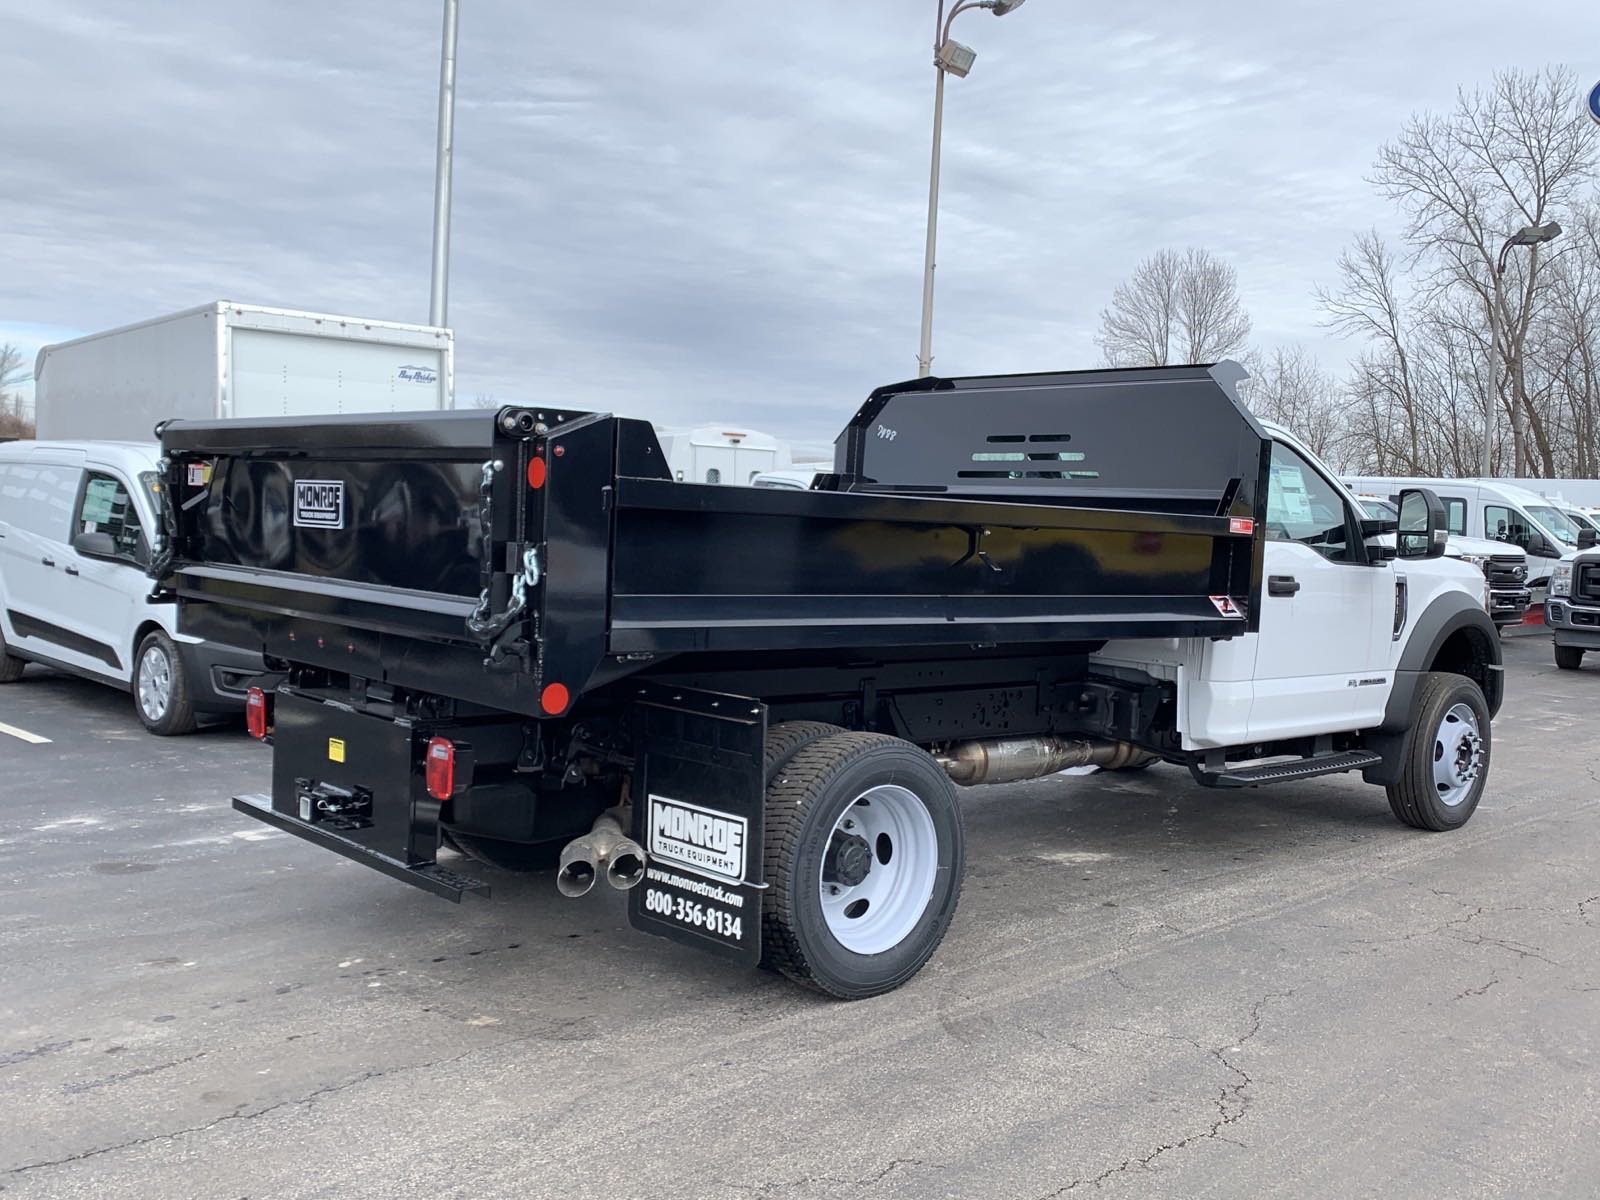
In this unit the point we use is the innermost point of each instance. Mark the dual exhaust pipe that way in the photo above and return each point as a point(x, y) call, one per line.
point(604, 851)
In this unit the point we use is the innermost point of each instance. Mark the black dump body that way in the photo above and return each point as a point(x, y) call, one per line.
point(525, 558)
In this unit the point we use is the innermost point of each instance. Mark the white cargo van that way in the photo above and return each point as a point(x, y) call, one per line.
point(77, 522)
point(1499, 512)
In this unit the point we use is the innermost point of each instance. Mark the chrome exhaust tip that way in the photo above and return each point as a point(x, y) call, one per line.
point(604, 850)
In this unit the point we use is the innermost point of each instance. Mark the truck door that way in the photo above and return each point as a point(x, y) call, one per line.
point(1319, 662)
point(1505, 523)
point(39, 496)
point(104, 596)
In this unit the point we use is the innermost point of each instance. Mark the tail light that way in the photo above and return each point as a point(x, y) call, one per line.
point(257, 714)
point(439, 769)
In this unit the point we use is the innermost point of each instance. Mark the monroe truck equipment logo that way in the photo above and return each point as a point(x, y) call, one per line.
point(319, 503)
point(702, 839)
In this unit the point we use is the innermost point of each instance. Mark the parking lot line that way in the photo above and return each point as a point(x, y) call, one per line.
point(23, 735)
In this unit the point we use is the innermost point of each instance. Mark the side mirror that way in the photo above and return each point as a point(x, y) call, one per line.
point(95, 545)
point(1422, 532)
point(1587, 538)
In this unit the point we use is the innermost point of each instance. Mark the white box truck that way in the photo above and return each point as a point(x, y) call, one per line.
point(238, 360)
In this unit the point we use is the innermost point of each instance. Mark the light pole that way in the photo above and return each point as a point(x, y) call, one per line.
point(957, 60)
point(1532, 236)
point(440, 285)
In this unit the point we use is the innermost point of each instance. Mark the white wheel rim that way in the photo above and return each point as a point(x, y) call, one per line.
point(880, 911)
point(1457, 754)
point(155, 683)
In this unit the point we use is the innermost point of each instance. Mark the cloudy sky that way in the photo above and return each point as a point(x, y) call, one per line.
point(711, 209)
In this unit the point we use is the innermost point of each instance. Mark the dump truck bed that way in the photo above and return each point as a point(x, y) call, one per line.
point(522, 558)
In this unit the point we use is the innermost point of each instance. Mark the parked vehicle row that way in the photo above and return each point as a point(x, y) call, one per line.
point(1495, 511)
point(77, 526)
point(1504, 566)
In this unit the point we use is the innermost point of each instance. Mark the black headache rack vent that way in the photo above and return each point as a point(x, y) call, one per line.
point(1166, 439)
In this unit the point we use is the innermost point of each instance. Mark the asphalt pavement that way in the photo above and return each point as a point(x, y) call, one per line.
point(1150, 990)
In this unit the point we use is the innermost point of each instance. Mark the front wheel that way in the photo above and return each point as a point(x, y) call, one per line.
point(160, 687)
point(1569, 658)
point(864, 857)
point(1446, 755)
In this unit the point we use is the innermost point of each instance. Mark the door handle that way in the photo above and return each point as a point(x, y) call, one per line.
point(72, 570)
point(49, 562)
point(1282, 585)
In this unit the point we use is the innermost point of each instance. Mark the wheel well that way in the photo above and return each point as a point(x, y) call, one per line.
point(1468, 652)
point(139, 634)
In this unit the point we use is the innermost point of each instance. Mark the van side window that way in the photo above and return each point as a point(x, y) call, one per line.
point(1455, 515)
point(1302, 506)
point(107, 508)
point(39, 498)
point(1503, 524)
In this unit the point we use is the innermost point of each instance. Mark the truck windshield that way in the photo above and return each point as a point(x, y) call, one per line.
point(1555, 521)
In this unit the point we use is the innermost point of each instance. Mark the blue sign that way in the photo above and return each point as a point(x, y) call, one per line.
point(1594, 102)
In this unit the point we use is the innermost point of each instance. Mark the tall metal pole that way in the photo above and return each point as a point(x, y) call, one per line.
point(438, 291)
point(1486, 465)
point(925, 352)
point(925, 348)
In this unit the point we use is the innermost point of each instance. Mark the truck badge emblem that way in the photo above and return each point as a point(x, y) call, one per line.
point(319, 503)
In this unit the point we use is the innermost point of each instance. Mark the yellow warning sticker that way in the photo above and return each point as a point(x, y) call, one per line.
point(335, 749)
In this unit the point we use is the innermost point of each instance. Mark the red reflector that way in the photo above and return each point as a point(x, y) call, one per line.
point(255, 713)
point(439, 771)
point(537, 470)
point(554, 698)
point(1241, 525)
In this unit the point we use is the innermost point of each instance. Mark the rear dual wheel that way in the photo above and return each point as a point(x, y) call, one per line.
point(864, 858)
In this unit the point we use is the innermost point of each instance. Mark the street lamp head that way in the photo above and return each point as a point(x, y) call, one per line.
point(1001, 7)
point(956, 58)
point(1534, 235)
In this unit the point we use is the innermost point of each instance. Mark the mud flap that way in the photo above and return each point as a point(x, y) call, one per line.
point(698, 802)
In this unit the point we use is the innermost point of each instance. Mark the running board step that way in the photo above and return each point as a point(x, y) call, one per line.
point(1280, 772)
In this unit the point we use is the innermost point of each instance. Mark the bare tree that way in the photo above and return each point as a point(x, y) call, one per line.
point(1290, 387)
point(10, 376)
point(1176, 308)
point(1512, 155)
point(485, 400)
point(13, 422)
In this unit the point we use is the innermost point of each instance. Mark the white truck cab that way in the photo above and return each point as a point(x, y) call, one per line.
point(1349, 630)
point(77, 522)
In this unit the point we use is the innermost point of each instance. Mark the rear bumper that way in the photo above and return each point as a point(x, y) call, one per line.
point(220, 675)
point(430, 877)
point(1571, 626)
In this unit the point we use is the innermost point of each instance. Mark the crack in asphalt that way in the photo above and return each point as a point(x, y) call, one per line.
point(1478, 991)
point(1231, 1101)
point(781, 1186)
point(1583, 906)
point(73, 1089)
point(13, 1057)
point(238, 1115)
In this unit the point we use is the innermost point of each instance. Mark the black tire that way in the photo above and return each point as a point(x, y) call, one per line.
point(178, 715)
point(786, 740)
point(803, 804)
point(507, 856)
point(1416, 798)
point(1569, 658)
point(10, 665)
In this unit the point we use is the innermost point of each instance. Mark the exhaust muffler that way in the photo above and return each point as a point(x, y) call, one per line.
point(604, 850)
point(1010, 760)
